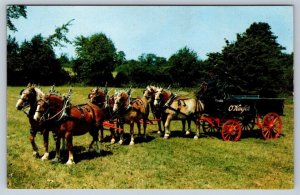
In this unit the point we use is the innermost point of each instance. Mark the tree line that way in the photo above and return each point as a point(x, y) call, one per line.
point(253, 63)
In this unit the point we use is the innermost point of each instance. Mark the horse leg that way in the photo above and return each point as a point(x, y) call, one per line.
point(57, 149)
point(197, 122)
point(132, 131)
point(167, 127)
point(159, 127)
point(112, 134)
point(145, 127)
point(95, 135)
point(69, 138)
point(32, 135)
point(188, 132)
point(46, 144)
point(121, 133)
point(101, 135)
point(183, 126)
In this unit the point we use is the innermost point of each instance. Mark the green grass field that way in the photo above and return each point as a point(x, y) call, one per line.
point(155, 163)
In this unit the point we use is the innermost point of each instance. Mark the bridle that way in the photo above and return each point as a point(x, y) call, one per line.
point(122, 104)
point(43, 112)
point(46, 113)
point(26, 101)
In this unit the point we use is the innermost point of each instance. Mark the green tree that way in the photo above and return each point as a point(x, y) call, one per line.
point(35, 60)
point(39, 63)
point(96, 59)
point(14, 68)
point(184, 67)
point(146, 70)
point(252, 62)
point(14, 12)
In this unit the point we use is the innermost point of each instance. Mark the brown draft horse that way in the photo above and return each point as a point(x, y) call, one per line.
point(100, 98)
point(178, 108)
point(29, 97)
point(149, 94)
point(69, 121)
point(130, 111)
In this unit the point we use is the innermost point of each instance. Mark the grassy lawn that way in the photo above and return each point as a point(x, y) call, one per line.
point(155, 163)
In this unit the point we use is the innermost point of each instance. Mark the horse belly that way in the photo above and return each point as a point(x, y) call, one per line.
point(76, 127)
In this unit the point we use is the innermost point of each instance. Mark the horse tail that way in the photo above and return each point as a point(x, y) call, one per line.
point(199, 107)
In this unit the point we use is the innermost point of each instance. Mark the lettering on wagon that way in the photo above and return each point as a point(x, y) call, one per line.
point(239, 108)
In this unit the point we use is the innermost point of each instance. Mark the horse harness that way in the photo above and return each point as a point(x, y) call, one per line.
point(180, 103)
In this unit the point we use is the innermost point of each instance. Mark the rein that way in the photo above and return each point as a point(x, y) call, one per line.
point(62, 112)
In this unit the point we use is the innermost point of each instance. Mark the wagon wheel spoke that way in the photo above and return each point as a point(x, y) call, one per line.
point(209, 128)
point(272, 126)
point(231, 130)
point(247, 123)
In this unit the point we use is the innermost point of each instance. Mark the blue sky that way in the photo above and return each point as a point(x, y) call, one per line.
point(161, 30)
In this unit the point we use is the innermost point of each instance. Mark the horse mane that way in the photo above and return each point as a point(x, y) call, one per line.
point(39, 93)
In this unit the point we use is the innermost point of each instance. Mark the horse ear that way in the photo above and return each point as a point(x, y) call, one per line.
point(29, 85)
point(105, 88)
point(129, 91)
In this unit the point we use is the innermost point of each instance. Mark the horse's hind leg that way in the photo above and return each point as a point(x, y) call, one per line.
point(69, 139)
point(197, 122)
point(94, 134)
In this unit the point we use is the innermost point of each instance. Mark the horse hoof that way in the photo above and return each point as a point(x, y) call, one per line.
point(112, 141)
point(158, 132)
point(45, 156)
point(166, 136)
point(70, 162)
point(196, 137)
point(187, 132)
point(35, 154)
point(120, 142)
point(98, 151)
point(55, 160)
point(131, 143)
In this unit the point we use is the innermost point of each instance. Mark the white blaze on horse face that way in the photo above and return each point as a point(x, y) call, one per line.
point(37, 114)
point(116, 100)
point(19, 103)
point(157, 97)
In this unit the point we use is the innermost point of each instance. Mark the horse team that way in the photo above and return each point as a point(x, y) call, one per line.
point(54, 112)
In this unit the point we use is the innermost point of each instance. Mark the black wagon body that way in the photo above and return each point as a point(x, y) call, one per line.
point(243, 112)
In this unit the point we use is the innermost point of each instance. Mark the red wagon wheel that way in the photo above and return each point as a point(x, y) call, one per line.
point(231, 130)
point(271, 126)
point(209, 128)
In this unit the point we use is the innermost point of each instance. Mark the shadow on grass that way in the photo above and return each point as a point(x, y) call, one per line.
point(80, 153)
point(246, 134)
point(127, 137)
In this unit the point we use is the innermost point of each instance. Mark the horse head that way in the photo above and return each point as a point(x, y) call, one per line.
point(121, 100)
point(28, 96)
point(158, 96)
point(161, 96)
point(97, 96)
point(49, 106)
point(149, 93)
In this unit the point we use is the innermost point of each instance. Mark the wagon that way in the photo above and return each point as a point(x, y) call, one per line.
point(240, 113)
